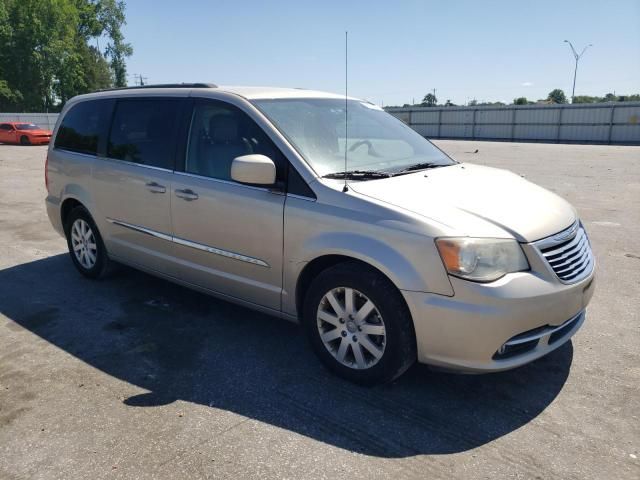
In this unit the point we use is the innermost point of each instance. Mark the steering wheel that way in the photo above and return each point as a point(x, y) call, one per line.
point(359, 144)
point(371, 150)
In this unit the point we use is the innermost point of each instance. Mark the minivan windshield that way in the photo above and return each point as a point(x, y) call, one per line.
point(377, 142)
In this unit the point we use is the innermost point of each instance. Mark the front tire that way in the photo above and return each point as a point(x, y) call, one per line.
point(359, 325)
point(85, 244)
point(24, 140)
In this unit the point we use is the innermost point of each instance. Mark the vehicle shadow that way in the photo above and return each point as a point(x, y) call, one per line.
point(180, 344)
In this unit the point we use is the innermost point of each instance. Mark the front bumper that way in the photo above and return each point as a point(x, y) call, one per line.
point(466, 332)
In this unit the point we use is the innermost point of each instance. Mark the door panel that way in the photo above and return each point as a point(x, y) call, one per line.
point(134, 204)
point(133, 183)
point(229, 238)
point(7, 136)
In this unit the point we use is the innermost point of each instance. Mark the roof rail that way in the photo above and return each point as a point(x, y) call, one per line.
point(163, 85)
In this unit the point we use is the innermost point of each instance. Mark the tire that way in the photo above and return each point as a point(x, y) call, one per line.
point(89, 256)
point(394, 344)
point(24, 140)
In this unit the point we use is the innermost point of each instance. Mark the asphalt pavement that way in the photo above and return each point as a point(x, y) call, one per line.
point(133, 377)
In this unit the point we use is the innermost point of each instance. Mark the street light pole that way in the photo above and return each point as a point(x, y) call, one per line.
point(575, 71)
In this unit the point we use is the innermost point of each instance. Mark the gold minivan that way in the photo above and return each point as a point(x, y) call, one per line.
point(325, 210)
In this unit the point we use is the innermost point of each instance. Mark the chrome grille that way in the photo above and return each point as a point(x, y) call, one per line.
point(568, 253)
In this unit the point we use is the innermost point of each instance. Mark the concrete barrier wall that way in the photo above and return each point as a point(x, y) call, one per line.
point(44, 120)
point(609, 123)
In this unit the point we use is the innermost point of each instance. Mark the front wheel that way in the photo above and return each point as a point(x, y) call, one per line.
point(359, 325)
point(24, 140)
point(85, 244)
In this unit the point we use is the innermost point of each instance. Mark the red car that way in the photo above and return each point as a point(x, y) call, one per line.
point(23, 133)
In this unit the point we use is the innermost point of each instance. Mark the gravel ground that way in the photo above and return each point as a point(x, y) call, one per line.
point(134, 377)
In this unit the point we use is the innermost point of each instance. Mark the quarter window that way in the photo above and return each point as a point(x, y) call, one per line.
point(81, 127)
point(143, 131)
point(221, 132)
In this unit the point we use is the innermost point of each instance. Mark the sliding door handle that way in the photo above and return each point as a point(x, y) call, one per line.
point(154, 187)
point(187, 195)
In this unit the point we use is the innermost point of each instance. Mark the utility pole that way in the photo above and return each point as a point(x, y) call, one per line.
point(138, 79)
point(575, 71)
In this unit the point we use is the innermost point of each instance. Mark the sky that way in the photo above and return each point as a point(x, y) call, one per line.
point(398, 50)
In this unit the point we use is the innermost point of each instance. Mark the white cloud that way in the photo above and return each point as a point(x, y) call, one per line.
point(527, 84)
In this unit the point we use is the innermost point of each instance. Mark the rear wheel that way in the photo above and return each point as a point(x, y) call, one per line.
point(359, 325)
point(85, 244)
point(24, 140)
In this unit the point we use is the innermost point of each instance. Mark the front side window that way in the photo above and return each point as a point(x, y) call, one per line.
point(5, 126)
point(143, 131)
point(376, 141)
point(221, 132)
point(81, 127)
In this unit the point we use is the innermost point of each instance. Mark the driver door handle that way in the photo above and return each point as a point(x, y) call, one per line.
point(154, 187)
point(187, 194)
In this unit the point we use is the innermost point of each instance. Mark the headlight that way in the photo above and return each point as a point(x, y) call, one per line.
point(481, 259)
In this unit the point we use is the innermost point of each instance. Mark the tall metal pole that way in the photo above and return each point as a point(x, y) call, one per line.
point(575, 71)
point(575, 74)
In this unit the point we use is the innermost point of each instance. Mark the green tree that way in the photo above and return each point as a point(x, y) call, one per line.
point(557, 96)
point(111, 15)
point(429, 100)
point(521, 101)
point(46, 56)
point(7, 96)
point(586, 99)
point(96, 69)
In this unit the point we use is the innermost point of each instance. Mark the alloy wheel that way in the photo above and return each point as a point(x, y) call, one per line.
point(351, 328)
point(84, 244)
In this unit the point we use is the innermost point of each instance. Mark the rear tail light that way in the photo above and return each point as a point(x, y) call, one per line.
point(46, 172)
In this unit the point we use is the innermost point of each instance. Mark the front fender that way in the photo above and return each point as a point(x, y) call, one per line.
point(369, 250)
point(395, 259)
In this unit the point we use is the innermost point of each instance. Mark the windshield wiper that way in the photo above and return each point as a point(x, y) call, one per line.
point(418, 166)
point(358, 174)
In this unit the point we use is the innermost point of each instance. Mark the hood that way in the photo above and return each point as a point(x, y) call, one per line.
point(476, 201)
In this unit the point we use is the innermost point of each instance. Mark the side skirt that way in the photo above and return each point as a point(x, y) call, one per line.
point(212, 293)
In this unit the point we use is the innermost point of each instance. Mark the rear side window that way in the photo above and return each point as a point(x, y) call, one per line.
point(143, 131)
point(81, 127)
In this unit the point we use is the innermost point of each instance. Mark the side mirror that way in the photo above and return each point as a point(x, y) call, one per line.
point(253, 169)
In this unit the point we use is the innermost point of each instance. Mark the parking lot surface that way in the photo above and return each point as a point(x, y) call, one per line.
point(134, 377)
